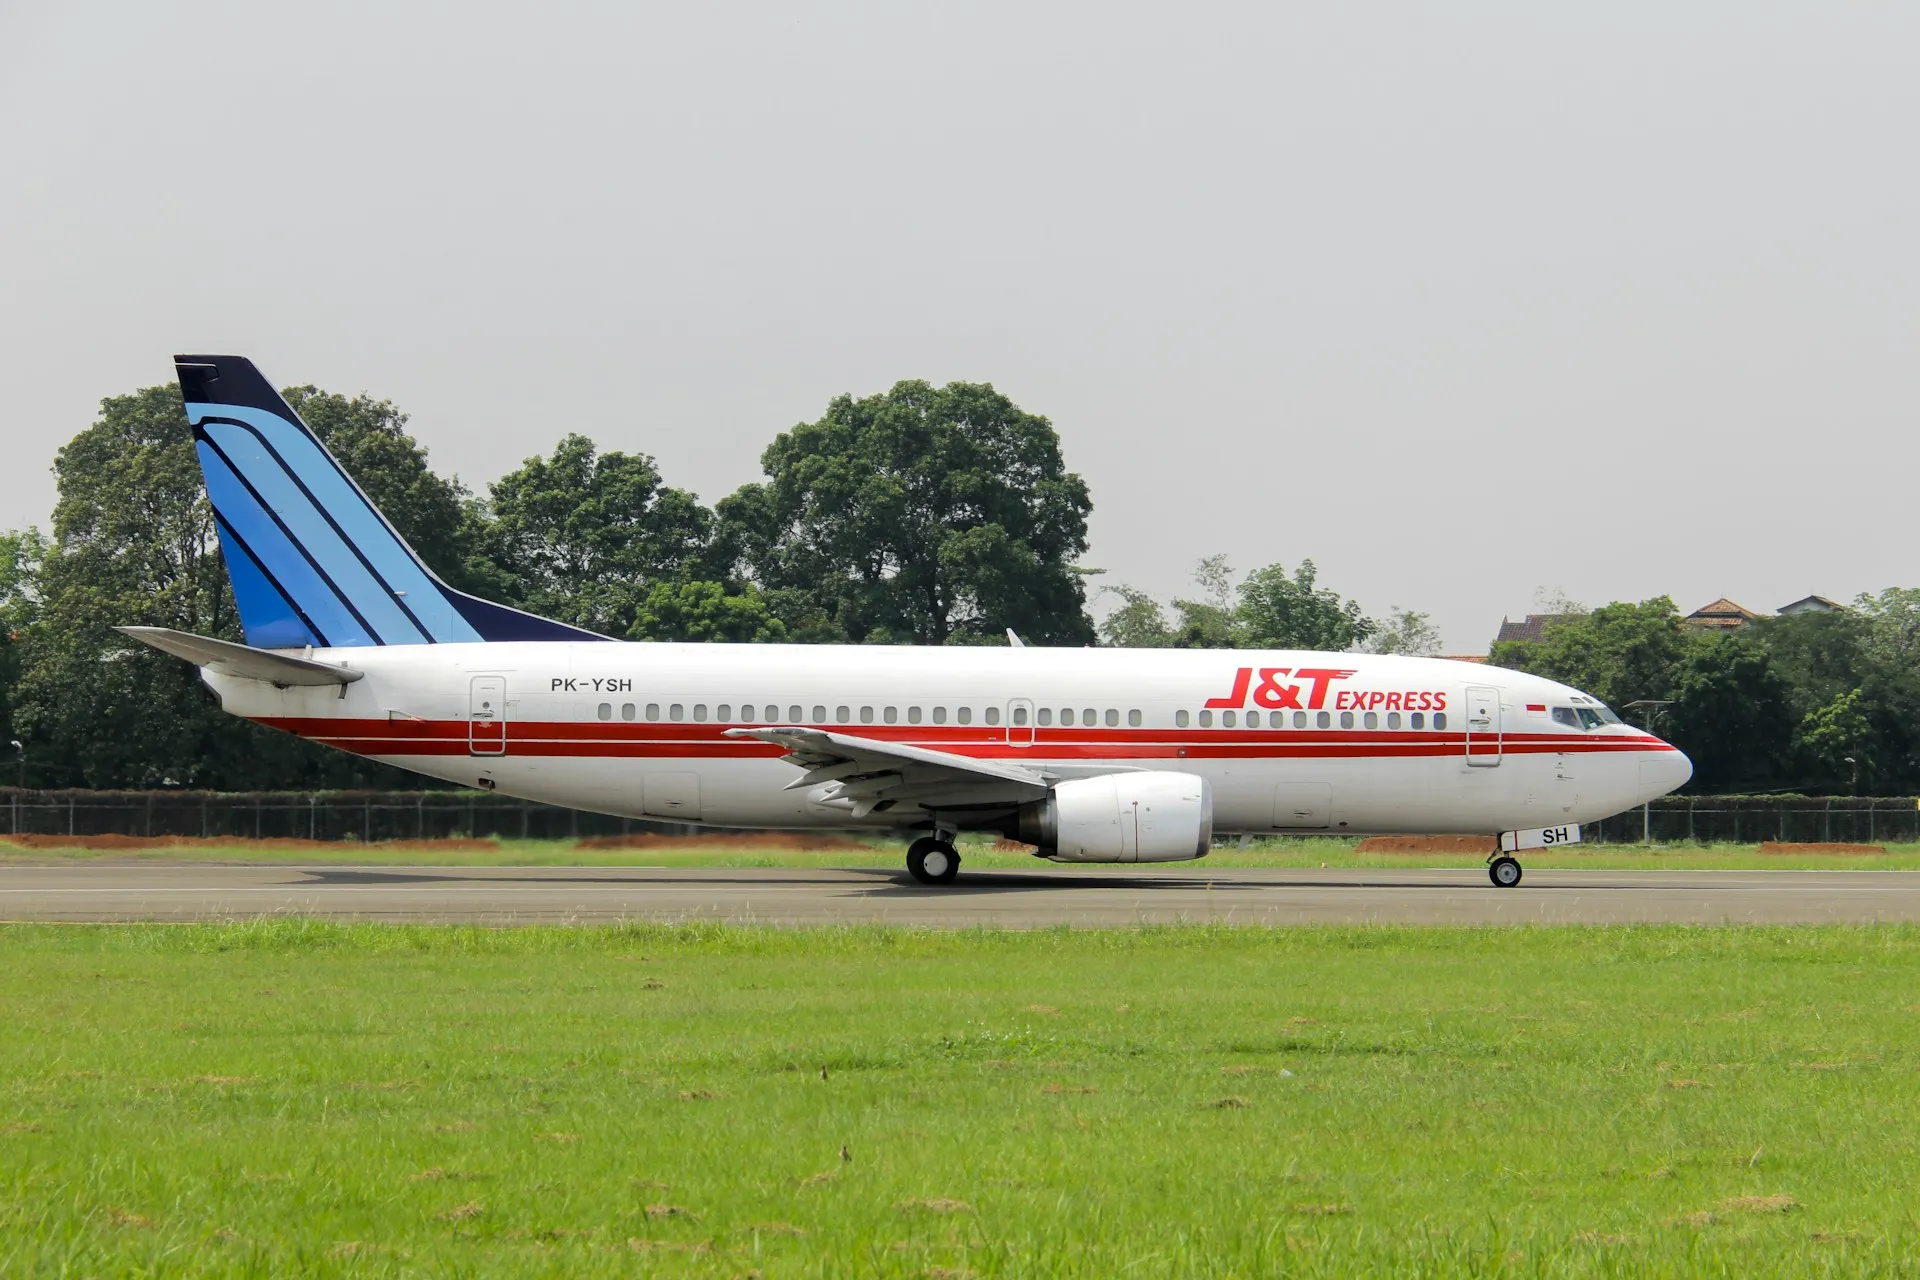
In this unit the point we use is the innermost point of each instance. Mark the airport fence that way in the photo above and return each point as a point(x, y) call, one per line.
point(451, 814)
point(307, 815)
point(1752, 819)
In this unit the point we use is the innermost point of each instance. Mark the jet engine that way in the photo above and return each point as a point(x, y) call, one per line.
point(1122, 817)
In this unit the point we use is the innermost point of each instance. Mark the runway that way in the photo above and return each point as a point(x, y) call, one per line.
point(129, 891)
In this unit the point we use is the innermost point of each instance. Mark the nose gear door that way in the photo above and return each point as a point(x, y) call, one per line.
point(487, 716)
point(1483, 727)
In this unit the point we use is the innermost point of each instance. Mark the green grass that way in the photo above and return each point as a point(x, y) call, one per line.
point(298, 1098)
point(751, 850)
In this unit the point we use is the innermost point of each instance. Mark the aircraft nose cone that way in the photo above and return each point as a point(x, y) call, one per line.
point(1664, 771)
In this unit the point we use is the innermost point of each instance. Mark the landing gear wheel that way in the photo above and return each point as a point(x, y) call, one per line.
point(932, 861)
point(1504, 872)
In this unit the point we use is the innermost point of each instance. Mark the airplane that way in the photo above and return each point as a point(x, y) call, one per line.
point(1088, 755)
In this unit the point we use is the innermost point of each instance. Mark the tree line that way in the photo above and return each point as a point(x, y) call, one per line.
point(921, 515)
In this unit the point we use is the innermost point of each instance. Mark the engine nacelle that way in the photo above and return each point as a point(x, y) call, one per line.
point(1122, 817)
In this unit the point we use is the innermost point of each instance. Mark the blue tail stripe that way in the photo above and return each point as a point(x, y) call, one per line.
point(271, 620)
point(301, 581)
point(349, 576)
point(310, 557)
point(302, 463)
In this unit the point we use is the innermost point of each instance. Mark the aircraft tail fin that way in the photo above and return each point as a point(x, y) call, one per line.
point(312, 560)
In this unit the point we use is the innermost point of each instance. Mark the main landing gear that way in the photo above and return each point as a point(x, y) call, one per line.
point(931, 860)
point(1504, 870)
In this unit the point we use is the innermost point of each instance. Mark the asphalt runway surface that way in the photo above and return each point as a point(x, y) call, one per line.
point(184, 891)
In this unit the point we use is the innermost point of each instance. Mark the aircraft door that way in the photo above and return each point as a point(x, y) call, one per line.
point(1020, 723)
point(487, 716)
point(1483, 727)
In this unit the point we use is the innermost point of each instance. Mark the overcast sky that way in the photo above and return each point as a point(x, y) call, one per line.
point(1458, 300)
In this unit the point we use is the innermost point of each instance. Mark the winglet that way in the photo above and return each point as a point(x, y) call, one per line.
point(1015, 640)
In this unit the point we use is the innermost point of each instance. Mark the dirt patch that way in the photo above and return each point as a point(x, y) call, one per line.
point(118, 843)
point(786, 840)
point(1425, 844)
point(1787, 846)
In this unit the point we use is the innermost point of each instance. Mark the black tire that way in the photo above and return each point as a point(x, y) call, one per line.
point(932, 861)
point(1504, 872)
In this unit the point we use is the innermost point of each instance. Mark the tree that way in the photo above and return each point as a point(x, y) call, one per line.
point(584, 536)
point(924, 515)
point(1277, 611)
point(1139, 622)
point(1270, 609)
point(1406, 632)
point(1730, 715)
point(1619, 653)
point(1836, 742)
point(706, 611)
point(22, 553)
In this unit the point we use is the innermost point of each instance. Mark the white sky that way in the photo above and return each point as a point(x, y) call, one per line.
point(1459, 300)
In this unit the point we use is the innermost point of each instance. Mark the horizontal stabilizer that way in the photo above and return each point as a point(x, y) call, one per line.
point(230, 659)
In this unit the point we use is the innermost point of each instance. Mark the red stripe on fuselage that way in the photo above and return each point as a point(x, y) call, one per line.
point(656, 741)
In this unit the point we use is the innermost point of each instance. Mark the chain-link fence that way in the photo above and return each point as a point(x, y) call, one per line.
point(306, 815)
point(1752, 819)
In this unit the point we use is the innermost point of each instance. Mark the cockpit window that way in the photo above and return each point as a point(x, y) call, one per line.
point(1606, 713)
point(1566, 716)
point(1589, 718)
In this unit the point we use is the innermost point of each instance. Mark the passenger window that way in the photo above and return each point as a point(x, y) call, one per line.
point(653, 711)
point(1180, 719)
point(626, 711)
point(1323, 720)
point(939, 715)
point(842, 714)
point(1346, 719)
point(1228, 717)
point(1565, 716)
point(992, 716)
point(965, 715)
point(723, 712)
point(676, 712)
point(1045, 716)
point(1439, 719)
point(1206, 719)
point(605, 711)
point(746, 714)
point(699, 711)
point(1113, 717)
point(819, 715)
point(1019, 715)
point(1371, 720)
point(913, 715)
point(866, 715)
point(1133, 718)
point(1299, 719)
point(1253, 719)
point(1393, 719)
point(1417, 720)
point(1066, 716)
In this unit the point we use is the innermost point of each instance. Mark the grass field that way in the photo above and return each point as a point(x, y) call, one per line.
point(295, 1098)
point(749, 849)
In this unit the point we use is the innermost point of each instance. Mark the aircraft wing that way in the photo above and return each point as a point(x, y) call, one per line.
point(866, 775)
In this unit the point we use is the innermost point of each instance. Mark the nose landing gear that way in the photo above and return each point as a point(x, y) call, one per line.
point(1504, 871)
point(931, 860)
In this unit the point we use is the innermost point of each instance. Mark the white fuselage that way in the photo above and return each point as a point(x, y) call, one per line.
point(1339, 742)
